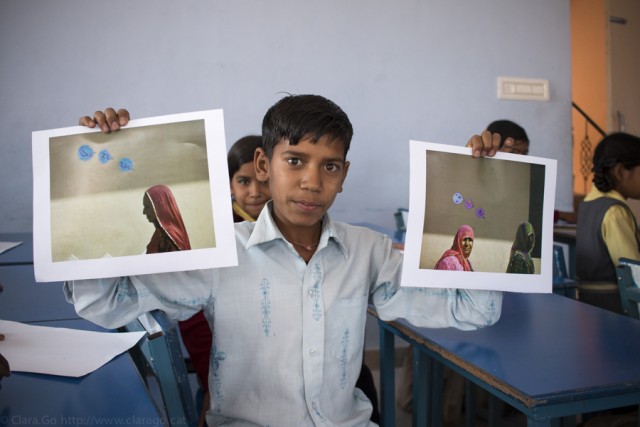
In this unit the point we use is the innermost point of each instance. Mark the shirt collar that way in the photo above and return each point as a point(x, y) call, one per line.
point(266, 230)
point(595, 193)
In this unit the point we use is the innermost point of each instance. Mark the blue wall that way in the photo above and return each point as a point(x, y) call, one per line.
point(410, 69)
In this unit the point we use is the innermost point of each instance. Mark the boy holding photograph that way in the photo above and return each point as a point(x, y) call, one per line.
point(290, 318)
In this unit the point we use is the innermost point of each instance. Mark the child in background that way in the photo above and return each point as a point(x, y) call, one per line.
point(249, 197)
point(512, 130)
point(607, 228)
point(290, 318)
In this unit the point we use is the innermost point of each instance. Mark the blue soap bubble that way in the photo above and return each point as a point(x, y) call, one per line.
point(104, 156)
point(457, 198)
point(126, 165)
point(85, 152)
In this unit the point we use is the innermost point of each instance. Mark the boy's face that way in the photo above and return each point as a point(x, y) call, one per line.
point(304, 180)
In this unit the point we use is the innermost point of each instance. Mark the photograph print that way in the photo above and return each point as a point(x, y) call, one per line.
point(152, 197)
point(479, 223)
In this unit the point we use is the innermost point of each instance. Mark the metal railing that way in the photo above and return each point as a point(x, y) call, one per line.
point(586, 146)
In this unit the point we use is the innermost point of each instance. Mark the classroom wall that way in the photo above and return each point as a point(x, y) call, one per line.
point(589, 59)
point(411, 69)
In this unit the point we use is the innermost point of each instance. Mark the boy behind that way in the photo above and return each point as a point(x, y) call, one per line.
point(289, 319)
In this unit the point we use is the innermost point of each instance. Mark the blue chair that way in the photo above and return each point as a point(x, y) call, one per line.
point(159, 352)
point(562, 285)
point(628, 286)
point(401, 217)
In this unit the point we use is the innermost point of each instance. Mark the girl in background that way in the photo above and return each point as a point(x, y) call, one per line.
point(249, 195)
point(607, 228)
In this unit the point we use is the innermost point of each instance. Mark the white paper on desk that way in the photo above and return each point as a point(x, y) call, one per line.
point(5, 246)
point(61, 351)
point(493, 196)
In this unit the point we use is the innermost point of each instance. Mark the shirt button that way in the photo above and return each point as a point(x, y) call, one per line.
point(313, 352)
point(311, 292)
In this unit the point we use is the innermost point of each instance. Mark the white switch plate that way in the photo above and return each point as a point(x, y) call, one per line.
point(525, 89)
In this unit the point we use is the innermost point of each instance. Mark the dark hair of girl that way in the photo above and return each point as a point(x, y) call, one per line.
point(618, 147)
point(241, 152)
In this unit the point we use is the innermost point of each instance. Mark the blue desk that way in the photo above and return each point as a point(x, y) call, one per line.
point(112, 395)
point(24, 300)
point(19, 255)
point(548, 356)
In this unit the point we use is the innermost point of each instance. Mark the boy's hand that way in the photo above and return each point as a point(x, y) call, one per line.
point(487, 144)
point(107, 120)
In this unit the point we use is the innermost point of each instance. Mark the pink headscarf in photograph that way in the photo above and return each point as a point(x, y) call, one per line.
point(169, 220)
point(456, 249)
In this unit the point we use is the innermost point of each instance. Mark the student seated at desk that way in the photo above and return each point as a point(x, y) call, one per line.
point(289, 319)
point(607, 228)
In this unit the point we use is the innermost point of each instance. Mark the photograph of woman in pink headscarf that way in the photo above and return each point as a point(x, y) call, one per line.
point(161, 209)
point(457, 258)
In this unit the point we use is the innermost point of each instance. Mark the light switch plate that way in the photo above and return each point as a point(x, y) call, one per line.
point(524, 89)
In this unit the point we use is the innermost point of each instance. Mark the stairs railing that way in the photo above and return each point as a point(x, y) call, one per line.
point(586, 147)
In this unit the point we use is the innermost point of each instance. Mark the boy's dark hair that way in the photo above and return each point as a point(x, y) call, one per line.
point(508, 129)
point(296, 117)
point(617, 147)
point(241, 152)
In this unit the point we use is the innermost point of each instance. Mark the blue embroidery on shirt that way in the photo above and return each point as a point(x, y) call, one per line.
point(215, 358)
point(492, 312)
point(209, 307)
point(266, 307)
point(125, 289)
point(442, 293)
point(343, 359)
point(317, 277)
point(315, 408)
point(388, 291)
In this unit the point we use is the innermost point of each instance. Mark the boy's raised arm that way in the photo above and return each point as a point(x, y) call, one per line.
point(107, 120)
